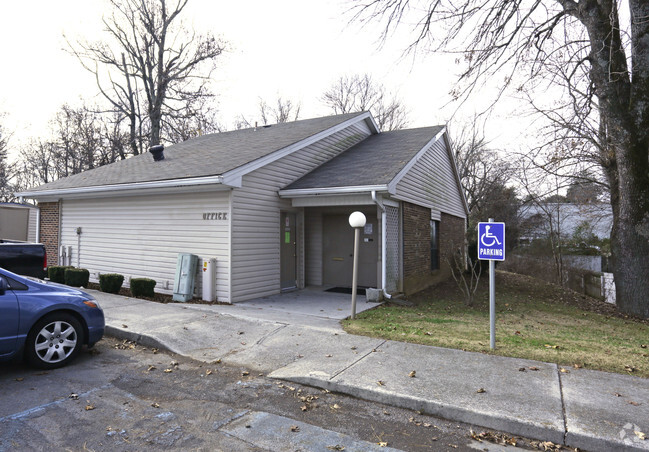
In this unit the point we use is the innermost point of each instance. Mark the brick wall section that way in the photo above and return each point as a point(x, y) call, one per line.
point(451, 237)
point(49, 232)
point(417, 274)
point(416, 241)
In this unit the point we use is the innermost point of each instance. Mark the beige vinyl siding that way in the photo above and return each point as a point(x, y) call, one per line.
point(33, 223)
point(256, 213)
point(141, 236)
point(431, 182)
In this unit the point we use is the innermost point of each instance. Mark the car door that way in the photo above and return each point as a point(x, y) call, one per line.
point(9, 317)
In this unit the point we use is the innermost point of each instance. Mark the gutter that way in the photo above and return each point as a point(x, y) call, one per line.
point(81, 191)
point(384, 240)
point(300, 192)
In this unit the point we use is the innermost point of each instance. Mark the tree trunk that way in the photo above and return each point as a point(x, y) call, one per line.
point(630, 233)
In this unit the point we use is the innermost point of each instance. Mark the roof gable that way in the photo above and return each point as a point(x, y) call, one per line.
point(206, 156)
point(378, 160)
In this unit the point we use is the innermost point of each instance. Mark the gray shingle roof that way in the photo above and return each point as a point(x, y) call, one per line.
point(208, 155)
point(374, 161)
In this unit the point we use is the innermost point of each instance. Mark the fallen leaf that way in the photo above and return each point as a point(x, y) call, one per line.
point(631, 402)
point(522, 369)
point(303, 408)
point(155, 405)
point(328, 356)
point(577, 366)
point(168, 371)
point(380, 383)
point(481, 390)
point(151, 368)
point(533, 368)
point(551, 346)
point(428, 333)
point(124, 325)
point(90, 407)
point(19, 379)
point(412, 374)
point(382, 444)
point(335, 406)
point(73, 396)
point(640, 435)
point(218, 361)
point(336, 447)
point(564, 371)
point(617, 394)
point(295, 428)
point(630, 368)
point(245, 373)
point(208, 372)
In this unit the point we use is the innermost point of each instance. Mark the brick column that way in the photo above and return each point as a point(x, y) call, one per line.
point(49, 230)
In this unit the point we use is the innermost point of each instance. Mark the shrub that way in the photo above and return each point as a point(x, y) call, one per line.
point(56, 273)
point(77, 277)
point(142, 287)
point(110, 282)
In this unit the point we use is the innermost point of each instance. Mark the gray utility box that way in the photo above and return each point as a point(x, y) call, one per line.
point(185, 277)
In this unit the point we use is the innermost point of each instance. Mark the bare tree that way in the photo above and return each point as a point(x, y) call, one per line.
point(7, 170)
point(605, 71)
point(480, 168)
point(81, 139)
point(356, 93)
point(153, 70)
point(284, 110)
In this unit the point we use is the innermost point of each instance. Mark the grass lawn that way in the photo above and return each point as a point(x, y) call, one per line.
point(534, 320)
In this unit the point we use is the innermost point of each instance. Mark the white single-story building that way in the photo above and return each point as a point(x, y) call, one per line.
point(271, 204)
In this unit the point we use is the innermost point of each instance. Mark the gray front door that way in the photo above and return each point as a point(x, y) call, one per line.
point(288, 251)
point(338, 251)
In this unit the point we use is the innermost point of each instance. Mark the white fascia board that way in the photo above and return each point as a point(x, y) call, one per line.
point(122, 189)
point(234, 177)
point(302, 192)
point(392, 186)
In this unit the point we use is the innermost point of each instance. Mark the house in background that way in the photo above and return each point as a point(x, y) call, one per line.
point(271, 204)
point(19, 222)
point(566, 219)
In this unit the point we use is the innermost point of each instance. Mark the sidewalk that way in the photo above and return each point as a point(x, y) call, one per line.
point(595, 411)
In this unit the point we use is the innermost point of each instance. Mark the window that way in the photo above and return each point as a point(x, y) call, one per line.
point(434, 245)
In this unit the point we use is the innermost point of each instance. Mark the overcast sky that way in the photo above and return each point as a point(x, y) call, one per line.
point(290, 48)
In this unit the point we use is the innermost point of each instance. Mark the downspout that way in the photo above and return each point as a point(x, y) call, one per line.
point(384, 239)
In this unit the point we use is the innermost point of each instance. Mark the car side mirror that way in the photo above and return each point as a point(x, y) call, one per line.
point(4, 285)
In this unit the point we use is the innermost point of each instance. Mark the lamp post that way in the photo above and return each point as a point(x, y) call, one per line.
point(357, 221)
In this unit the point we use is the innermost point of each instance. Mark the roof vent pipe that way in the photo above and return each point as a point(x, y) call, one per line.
point(158, 152)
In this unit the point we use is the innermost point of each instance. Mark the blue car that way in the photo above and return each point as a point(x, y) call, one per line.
point(46, 321)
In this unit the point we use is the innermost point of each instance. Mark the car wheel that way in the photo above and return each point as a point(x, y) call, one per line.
point(54, 341)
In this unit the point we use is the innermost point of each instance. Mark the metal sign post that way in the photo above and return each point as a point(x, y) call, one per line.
point(491, 247)
point(357, 221)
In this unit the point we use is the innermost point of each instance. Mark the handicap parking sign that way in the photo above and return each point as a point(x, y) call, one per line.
point(491, 241)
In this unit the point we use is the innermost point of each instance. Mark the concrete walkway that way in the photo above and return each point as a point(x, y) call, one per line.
point(297, 337)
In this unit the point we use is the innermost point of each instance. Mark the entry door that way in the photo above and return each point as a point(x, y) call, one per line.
point(338, 251)
point(288, 251)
